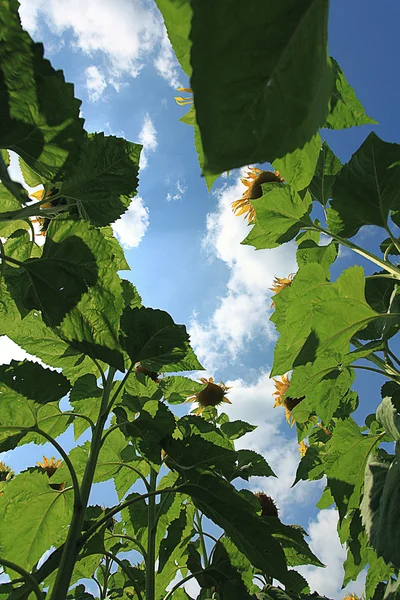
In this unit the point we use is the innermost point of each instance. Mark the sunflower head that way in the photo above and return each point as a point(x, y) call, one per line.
point(351, 596)
point(152, 374)
point(184, 101)
point(212, 395)
point(5, 472)
point(303, 448)
point(268, 506)
point(253, 182)
point(279, 284)
point(281, 388)
point(50, 465)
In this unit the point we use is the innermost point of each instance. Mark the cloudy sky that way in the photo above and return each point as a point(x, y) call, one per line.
point(182, 243)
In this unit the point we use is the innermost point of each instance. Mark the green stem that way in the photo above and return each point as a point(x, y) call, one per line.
point(151, 543)
point(18, 263)
point(388, 370)
point(33, 210)
point(181, 582)
point(123, 536)
point(126, 571)
point(395, 242)
point(362, 252)
point(394, 357)
point(198, 523)
point(71, 547)
point(27, 576)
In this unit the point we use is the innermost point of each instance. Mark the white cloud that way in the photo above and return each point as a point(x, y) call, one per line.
point(167, 64)
point(147, 137)
point(180, 190)
point(324, 542)
point(95, 83)
point(132, 226)
point(243, 312)
point(124, 30)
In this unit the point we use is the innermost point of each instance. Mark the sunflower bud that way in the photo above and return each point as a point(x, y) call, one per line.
point(268, 506)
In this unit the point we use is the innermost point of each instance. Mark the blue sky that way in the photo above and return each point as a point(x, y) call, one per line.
point(183, 244)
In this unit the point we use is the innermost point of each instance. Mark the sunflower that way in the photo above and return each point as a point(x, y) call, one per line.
point(253, 182)
point(5, 472)
point(279, 284)
point(50, 465)
point(281, 387)
point(268, 506)
point(351, 596)
point(44, 222)
point(303, 448)
point(212, 395)
point(181, 101)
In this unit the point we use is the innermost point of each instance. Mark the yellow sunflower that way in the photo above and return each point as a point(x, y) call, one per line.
point(351, 596)
point(303, 448)
point(281, 387)
point(5, 472)
point(253, 181)
point(268, 506)
point(50, 465)
point(212, 395)
point(279, 284)
point(182, 101)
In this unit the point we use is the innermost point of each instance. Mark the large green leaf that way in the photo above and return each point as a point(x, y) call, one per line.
point(177, 16)
point(36, 338)
point(380, 507)
point(319, 317)
point(79, 294)
point(105, 178)
point(298, 167)
point(224, 505)
point(29, 396)
point(176, 388)
point(280, 214)
point(367, 188)
point(261, 77)
point(33, 517)
point(346, 110)
point(40, 116)
point(388, 417)
point(309, 251)
point(153, 339)
point(346, 456)
point(328, 166)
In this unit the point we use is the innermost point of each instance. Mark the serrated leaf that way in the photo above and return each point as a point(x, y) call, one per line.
point(326, 499)
point(288, 66)
point(366, 189)
point(176, 388)
point(327, 169)
point(346, 110)
point(237, 429)
point(105, 179)
point(33, 517)
point(280, 214)
point(177, 18)
point(308, 252)
point(40, 116)
point(153, 339)
point(387, 416)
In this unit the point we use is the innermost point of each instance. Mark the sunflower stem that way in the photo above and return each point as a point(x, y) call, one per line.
point(151, 542)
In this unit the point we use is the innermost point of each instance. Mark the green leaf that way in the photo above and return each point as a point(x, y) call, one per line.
point(387, 416)
point(174, 536)
point(40, 116)
point(387, 243)
point(280, 214)
point(260, 90)
point(309, 252)
point(105, 178)
point(298, 167)
point(29, 396)
point(79, 295)
point(291, 538)
point(190, 119)
point(177, 18)
point(346, 456)
point(328, 166)
point(85, 397)
point(153, 339)
point(196, 451)
point(380, 506)
point(19, 246)
point(382, 295)
point(33, 517)
point(319, 318)
point(367, 188)
point(236, 429)
point(346, 109)
point(176, 388)
point(224, 505)
point(130, 294)
point(36, 338)
point(326, 499)
point(311, 467)
point(252, 464)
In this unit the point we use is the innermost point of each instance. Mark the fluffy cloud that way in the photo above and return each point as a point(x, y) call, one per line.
point(95, 83)
point(177, 194)
point(147, 137)
point(325, 543)
point(131, 227)
point(242, 313)
point(127, 32)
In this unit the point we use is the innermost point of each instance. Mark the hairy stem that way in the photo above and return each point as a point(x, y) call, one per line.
point(72, 547)
point(151, 543)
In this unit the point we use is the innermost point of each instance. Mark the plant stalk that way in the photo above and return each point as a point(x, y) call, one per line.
point(71, 548)
point(151, 542)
